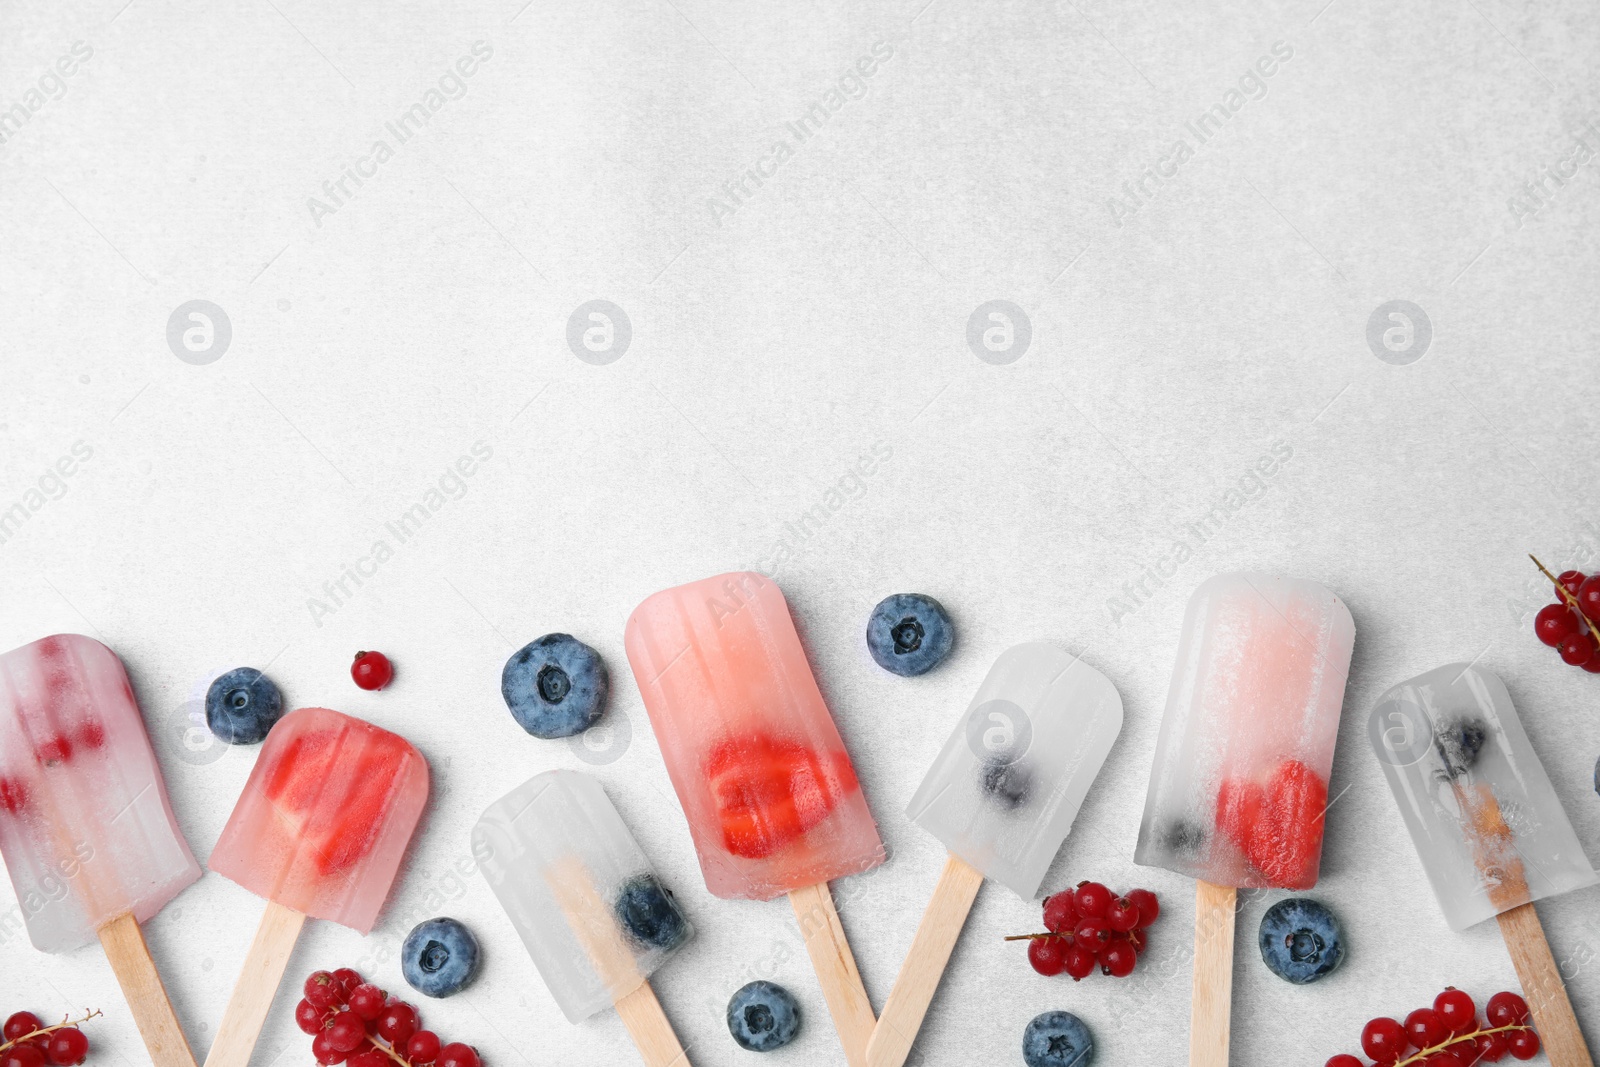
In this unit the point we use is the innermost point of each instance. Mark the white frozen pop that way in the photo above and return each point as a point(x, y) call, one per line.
point(1240, 780)
point(1486, 821)
point(1001, 796)
point(585, 901)
point(87, 831)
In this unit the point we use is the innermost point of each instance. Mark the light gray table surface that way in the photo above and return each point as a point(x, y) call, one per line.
point(1181, 323)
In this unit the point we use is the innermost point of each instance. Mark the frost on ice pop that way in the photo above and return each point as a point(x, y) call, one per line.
point(580, 893)
point(1008, 783)
point(1480, 808)
point(325, 818)
point(85, 824)
point(1240, 780)
point(769, 791)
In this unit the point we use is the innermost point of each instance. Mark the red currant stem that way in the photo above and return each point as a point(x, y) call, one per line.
point(388, 1051)
point(49, 1030)
point(1417, 1058)
point(1571, 601)
point(1036, 937)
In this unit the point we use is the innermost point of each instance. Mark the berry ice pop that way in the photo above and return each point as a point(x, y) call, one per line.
point(1240, 780)
point(770, 793)
point(585, 901)
point(319, 830)
point(1486, 821)
point(1001, 796)
point(85, 825)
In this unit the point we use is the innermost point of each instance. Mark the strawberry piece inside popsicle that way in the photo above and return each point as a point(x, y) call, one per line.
point(334, 805)
point(769, 792)
point(1279, 827)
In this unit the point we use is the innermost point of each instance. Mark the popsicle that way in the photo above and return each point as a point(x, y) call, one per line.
point(1240, 780)
point(1001, 796)
point(585, 901)
point(85, 825)
point(319, 830)
point(770, 793)
point(1492, 836)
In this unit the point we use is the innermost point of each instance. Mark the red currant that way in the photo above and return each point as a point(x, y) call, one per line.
point(1577, 648)
point(1118, 959)
point(369, 1057)
point(22, 1022)
point(68, 1047)
point(1048, 955)
point(1571, 581)
point(1524, 1045)
point(1554, 622)
point(1122, 915)
point(346, 1032)
point(1492, 1048)
point(1093, 933)
point(455, 1054)
point(13, 798)
point(1588, 595)
point(1092, 899)
point(1593, 666)
point(397, 1023)
point(347, 977)
point(371, 670)
point(1080, 962)
point(1506, 1009)
point(1149, 907)
point(1138, 939)
point(322, 989)
point(308, 1017)
point(1384, 1040)
point(367, 1001)
point(1444, 1058)
point(1344, 1059)
point(1060, 913)
point(324, 1052)
point(423, 1047)
point(1460, 1014)
point(26, 1054)
point(1426, 1028)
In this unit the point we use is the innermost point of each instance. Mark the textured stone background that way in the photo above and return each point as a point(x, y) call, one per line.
point(1176, 334)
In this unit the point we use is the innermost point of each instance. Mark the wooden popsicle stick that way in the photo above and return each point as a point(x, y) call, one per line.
point(258, 984)
point(1542, 985)
point(652, 1033)
point(1212, 1004)
point(835, 966)
point(924, 965)
point(142, 988)
point(595, 927)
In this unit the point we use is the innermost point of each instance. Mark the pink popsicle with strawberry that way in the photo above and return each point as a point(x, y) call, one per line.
point(320, 830)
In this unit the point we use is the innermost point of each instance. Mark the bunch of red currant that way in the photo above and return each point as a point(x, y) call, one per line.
point(355, 1023)
point(1449, 1034)
point(1572, 625)
point(1090, 925)
point(27, 1042)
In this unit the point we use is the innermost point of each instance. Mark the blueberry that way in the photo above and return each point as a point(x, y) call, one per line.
point(763, 1016)
point(1057, 1039)
point(1300, 940)
point(1183, 837)
point(242, 705)
point(909, 634)
point(649, 912)
point(439, 957)
point(555, 686)
point(1008, 783)
point(1458, 742)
